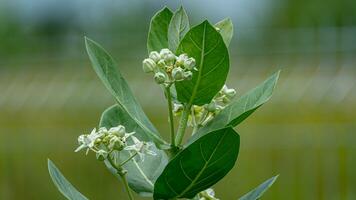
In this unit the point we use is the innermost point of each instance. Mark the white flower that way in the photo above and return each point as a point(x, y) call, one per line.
point(141, 148)
point(228, 91)
point(208, 194)
point(88, 141)
point(154, 55)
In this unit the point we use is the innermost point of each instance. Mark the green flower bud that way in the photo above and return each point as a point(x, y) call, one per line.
point(101, 155)
point(154, 55)
point(160, 77)
point(189, 63)
point(188, 75)
point(148, 65)
point(178, 74)
point(211, 107)
point(117, 143)
point(170, 58)
point(161, 64)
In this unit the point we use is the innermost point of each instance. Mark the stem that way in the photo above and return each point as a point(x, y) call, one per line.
point(127, 160)
point(171, 122)
point(126, 184)
point(120, 171)
point(182, 124)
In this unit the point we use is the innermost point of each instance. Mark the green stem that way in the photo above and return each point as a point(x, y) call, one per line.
point(127, 160)
point(182, 124)
point(126, 184)
point(120, 171)
point(171, 120)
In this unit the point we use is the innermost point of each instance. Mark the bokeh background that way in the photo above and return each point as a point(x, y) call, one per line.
point(49, 94)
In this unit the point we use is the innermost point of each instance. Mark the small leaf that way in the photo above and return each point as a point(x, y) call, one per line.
point(106, 68)
point(226, 30)
point(158, 32)
point(141, 175)
point(260, 190)
point(240, 109)
point(178, 27)
point(199, 166)
point(207, 47)
point(62, 184)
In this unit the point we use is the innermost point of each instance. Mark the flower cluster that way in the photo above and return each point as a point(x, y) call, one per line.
point(200, 115)
point(105, 141)
point(168, 68)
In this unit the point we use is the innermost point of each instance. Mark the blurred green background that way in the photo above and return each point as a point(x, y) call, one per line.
point(50, 95)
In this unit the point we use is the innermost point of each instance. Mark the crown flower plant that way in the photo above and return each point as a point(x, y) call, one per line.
point(190, 64)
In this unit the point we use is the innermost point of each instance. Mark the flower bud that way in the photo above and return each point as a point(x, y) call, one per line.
point(160, 77)
point(211, 107)
point(188, 75)
point(164, 53)
point(161, 64)
point(178, 74)
point(148, 65)
point(154, 55)
point(169, 59)
point(180, 60)
point(118, 131)
point(189, 63)
point(101, 155)
point(117, 143)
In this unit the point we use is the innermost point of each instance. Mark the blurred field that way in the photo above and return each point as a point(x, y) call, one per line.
point(306, 133)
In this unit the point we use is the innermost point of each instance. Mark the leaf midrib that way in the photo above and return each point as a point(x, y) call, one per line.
point(203, 169)
point(200, 69)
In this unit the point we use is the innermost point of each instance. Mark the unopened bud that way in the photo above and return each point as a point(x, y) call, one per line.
point(148, 65)
point(154, 55)
point(118, 131)
point(117, 143)
point(211, 107)
point(160, 77)
point(178, 74)
point(170, 58)
point(161, 64)
point(101, 155)
point(189, 63)
point(164, 53)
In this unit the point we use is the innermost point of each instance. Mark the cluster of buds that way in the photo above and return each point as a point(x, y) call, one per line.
point(105, 141)
point(168, 68)
point(202, 114)
point(207, 194)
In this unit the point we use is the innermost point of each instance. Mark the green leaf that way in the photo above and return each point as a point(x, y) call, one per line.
point(260, 190)
point(62, 184)
point(106, 68)
point(206, 45)
point(226, 30)
point(158, 32)
point(240, 109)
point(199, 166)
point(141, 175)
point(178, 27)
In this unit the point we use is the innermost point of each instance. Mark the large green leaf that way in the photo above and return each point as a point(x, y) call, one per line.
point(141, 175)
point(62, 184)
point(260, 190)
point(240, 109)
point(206, 45)
point(178, 27)
point(158, 32)
point(226, 30)
point(199, 165)
point(106, 68)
